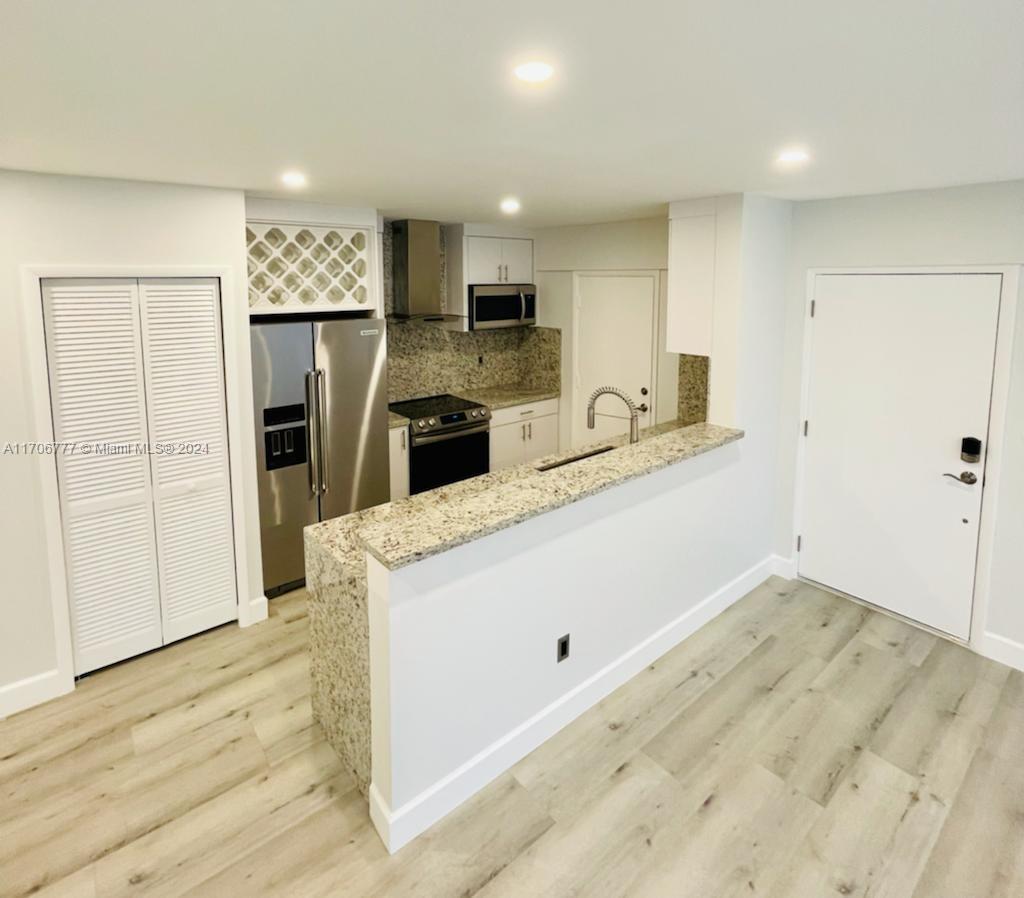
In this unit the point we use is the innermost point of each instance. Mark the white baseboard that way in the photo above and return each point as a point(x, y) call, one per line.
point(784, 567)
point(398, 827)
point(258, 611)
point(999, 648)
point(34, 690)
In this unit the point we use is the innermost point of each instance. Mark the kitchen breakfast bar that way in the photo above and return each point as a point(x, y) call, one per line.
point(436, 668)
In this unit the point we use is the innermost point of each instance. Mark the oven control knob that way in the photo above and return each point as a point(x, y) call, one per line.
point(473, 414)
point(431, 422)
point(421, 424)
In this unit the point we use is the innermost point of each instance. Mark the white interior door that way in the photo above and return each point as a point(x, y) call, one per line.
point(97, 396)
point(188, 433)
point(616, 324)
point(901, 371)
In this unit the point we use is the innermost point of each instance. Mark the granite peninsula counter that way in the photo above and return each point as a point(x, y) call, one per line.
point(347, 558)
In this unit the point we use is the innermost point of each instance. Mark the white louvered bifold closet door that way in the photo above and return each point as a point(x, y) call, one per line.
point(94, 354)
point(188, 429)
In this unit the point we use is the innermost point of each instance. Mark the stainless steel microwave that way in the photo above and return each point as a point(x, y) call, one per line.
point(501, 305)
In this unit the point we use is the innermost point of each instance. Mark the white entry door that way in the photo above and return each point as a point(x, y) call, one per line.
point(901, 372)
point(616, 318)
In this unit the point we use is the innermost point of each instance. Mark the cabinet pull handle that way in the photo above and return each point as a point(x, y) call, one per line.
point(499, 271)
point(524, 433)
point(506, 274)
point(403, 441)
point(530, 426)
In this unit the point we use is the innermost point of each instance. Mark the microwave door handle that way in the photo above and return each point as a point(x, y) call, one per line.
point(522, 306)
point(312, 433)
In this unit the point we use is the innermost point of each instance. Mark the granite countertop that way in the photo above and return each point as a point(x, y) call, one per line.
point(506, 395)
point(403, 532)
point(396, 420)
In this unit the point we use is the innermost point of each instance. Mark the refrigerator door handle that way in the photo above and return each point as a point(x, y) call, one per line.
point(313, 430)
point(325, 453)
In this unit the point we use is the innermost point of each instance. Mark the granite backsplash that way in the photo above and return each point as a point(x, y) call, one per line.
point(425, 359)
point(693, 389)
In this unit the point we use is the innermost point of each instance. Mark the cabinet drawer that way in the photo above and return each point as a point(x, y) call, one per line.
point(515, 413)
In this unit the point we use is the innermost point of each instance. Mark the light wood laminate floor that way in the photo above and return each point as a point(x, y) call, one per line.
point(799, 745)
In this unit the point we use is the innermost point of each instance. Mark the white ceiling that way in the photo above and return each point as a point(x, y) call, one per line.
point(411, 107)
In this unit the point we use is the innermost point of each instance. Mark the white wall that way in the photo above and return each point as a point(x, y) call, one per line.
point(99, 227)
point(640, 245)
point(615, 246)
point(755, 379)
point(975, 225)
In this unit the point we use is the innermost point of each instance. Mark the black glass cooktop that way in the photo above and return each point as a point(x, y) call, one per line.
point(432, 406)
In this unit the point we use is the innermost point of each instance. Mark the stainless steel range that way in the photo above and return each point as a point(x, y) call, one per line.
point(449, 440)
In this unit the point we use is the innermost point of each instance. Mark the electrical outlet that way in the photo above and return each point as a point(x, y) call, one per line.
point(480, 359)
point(563, 648)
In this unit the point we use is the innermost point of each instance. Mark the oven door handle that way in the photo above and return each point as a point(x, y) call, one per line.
point(427, 439)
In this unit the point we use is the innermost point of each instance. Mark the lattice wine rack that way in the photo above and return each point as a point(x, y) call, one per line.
point(294, 266)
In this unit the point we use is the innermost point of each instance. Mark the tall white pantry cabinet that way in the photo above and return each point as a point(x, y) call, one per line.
point(137, 392)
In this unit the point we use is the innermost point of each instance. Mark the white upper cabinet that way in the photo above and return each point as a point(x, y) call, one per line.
point(517, 260)
point(498, 260)
point(484, 260)
point(691, 284)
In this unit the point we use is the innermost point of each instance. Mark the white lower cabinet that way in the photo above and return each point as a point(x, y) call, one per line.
point(398, 448)
point(508, 446)
point(522, 433)
point(541, 437)
point(137, 392)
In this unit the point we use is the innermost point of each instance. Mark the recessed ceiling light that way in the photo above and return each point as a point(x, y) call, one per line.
point(534, 72)
point(510, 205)
point(293, 179)
point(793, 156)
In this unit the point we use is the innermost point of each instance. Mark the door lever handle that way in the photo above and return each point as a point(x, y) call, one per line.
point(968, 477)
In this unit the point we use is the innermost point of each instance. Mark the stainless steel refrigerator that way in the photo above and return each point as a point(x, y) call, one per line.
point(320, 391)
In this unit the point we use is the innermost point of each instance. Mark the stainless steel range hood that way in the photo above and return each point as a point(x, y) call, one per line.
point(416, 261)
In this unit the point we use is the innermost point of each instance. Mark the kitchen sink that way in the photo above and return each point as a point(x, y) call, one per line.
point(575, 458)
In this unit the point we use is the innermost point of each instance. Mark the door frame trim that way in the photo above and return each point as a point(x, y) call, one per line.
point(576, 399)
point(252, 606)
point(1009, 301)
